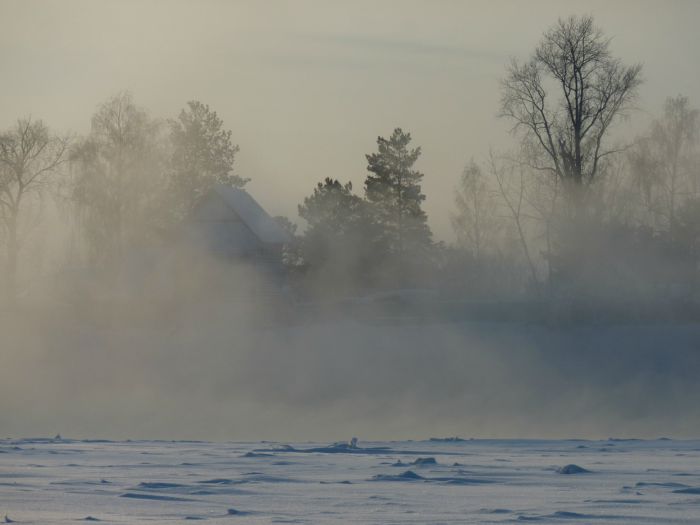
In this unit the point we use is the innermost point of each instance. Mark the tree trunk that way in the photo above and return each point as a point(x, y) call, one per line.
point(12, 253)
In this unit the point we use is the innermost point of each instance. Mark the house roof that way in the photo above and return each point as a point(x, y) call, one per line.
point(252, 214)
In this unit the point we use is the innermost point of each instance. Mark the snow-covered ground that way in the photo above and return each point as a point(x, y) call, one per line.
point(474, 481)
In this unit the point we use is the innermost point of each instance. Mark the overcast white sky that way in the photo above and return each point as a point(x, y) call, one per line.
point(307, 86)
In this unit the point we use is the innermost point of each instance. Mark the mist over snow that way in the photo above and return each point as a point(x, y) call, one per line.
point(214, 377)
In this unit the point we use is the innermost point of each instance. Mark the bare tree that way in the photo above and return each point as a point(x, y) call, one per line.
point(29, 156)
point(565, 98)
point(512, 186)
point(542, 196)
point(475, 222)
point(118, 172)
point(665, 162)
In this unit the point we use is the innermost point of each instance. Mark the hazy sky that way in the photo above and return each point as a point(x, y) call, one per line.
point(308, 86)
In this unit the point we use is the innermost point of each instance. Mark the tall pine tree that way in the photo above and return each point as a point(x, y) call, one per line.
point(394, 190)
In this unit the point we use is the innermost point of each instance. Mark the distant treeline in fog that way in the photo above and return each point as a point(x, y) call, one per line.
point(571, 215)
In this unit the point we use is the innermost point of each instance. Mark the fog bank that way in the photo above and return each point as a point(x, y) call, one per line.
point(209, 378)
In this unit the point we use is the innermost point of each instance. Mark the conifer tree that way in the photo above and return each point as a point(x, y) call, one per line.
point(393, 188)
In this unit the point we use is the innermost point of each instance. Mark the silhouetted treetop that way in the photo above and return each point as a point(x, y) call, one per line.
point(564, 99)
point(393, 187)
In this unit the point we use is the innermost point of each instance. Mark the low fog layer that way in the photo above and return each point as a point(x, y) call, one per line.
point(208, 375)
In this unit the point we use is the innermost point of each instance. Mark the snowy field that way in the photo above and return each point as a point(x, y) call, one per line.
point(475, 481)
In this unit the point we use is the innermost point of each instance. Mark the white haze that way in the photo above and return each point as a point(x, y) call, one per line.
point(306, 88)
point(197, 360)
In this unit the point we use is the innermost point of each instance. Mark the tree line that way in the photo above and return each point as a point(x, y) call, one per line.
point(124, 184)
point(591, 216)
point(133, 179)
point(571, 211)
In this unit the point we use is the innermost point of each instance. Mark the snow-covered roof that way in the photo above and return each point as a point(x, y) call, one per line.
point(252, 214)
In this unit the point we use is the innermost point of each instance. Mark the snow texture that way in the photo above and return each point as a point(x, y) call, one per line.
point(58, 481)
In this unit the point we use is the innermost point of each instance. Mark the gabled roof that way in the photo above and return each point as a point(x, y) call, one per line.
point(252, 214)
